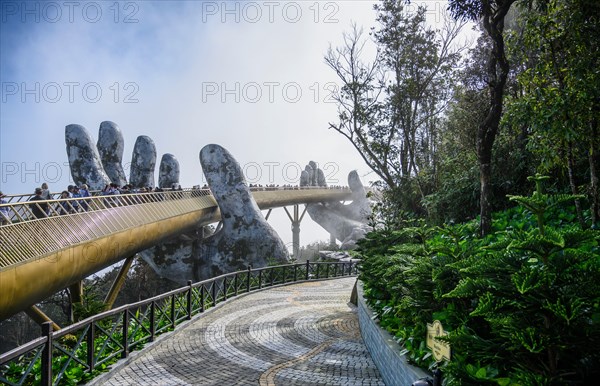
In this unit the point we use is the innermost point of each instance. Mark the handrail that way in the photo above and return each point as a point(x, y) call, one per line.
point(100, 340)
point(26, 237)
point(42, 256)
point(75, 220)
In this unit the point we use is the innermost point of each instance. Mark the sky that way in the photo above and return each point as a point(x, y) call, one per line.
point(249, 76)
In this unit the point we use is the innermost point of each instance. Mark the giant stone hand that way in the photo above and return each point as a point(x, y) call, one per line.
point(245, 237)
point(99, 165)
point(347, 223)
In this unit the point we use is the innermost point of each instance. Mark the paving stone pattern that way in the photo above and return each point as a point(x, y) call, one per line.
point(301, 334)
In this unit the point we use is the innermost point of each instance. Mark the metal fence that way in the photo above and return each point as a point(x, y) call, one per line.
point(85, 349)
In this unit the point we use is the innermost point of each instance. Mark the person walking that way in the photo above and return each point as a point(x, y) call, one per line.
point(39, 210)
point(4, 219)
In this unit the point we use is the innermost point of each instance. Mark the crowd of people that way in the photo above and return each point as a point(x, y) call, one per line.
point(68, 203)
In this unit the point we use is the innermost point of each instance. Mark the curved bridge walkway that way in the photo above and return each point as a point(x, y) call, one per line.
point(301, 334)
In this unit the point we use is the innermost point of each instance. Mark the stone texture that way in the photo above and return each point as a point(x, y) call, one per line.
point(304, 334)
point(168, 172)
point(110, 147)
point(245, 237)
point(84, 159)
point(385, 351)
point(347, 223)
point(143, 162)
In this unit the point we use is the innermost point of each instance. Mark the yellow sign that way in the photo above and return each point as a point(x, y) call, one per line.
point(439, 349)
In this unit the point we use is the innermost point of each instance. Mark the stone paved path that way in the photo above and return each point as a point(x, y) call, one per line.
point(302, 334)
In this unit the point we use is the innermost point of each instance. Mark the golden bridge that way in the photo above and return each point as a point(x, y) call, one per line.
point(41, 256)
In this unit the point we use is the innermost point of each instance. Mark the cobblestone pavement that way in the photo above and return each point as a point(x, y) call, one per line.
point(301, 334)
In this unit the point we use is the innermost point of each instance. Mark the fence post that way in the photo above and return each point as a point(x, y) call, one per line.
point(224, 288)
point(90, 346)
point(202, 297)
point(260, 278)
point(307, 268)
point(214, 292)
point(248, 278)
point(189, 300)
point(125, 341)
point(47, 354)
point(173, 312)
point(235, 284)
point(152, 321)
point(295, 273)
point(327, 271)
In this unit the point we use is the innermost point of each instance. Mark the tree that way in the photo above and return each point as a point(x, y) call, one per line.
point(491, 15)
point(560, 85)
point(389, 108)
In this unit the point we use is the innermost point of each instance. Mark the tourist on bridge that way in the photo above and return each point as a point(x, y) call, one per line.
point(84, 192)
point(75, 194)
point(4, 219)
point(64, 207)
point(46, 195)
point(39, 210)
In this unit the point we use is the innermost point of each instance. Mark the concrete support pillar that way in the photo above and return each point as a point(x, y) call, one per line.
point(296, 218)
point(76, 292)
point(332, 241)
point(118, 283)
point(75, 297)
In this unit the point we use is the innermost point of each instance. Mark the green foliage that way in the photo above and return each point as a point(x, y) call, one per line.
point(522, 306)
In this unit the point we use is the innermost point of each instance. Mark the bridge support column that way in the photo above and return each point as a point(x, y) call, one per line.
point(40, 317)
point(296, 219)
point(109, 301)
point(75, 297)
point(332, 241)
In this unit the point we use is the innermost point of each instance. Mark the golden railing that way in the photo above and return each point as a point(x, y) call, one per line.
point(80, 236)
point(76, 220)
point(72, 221)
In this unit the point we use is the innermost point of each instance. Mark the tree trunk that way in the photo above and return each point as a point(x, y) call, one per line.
point(485, 177)
point(594, 160)
point(573, 184)
point(497, 71)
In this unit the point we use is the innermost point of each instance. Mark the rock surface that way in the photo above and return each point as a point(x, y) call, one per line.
point(168, 172)
point(143, 162)
point(84, 159)
point(245, 237)
point(347, 223)
point(110, 147)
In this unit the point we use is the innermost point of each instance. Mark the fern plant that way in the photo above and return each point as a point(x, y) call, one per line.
point(537, 294)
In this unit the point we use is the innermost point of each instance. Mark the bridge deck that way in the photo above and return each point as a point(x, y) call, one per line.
point(53, 252)
point(301, 334)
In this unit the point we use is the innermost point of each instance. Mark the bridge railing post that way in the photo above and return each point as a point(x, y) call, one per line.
point(125, 341)
point(152, 321)
point(91, 335)
point(47, 355)
point(248, 277)
point(235, 284)
point(189, 300)
point(307, 269)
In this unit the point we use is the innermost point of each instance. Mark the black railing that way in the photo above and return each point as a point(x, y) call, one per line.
point(87, 348)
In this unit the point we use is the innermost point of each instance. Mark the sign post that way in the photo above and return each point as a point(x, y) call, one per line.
point(439, 349)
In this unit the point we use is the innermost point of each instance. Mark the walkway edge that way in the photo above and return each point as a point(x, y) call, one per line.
point(385, 351)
